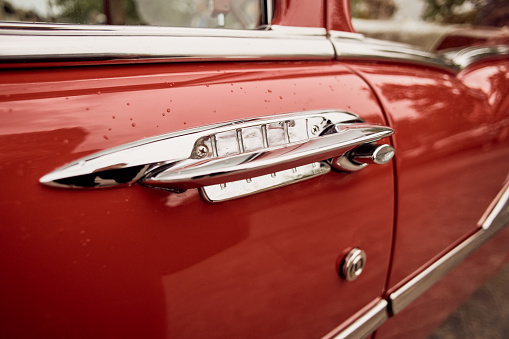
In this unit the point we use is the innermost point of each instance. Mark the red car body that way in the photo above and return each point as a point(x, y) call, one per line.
point(139, 262)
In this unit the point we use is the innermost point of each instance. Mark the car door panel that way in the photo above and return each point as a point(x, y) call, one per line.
point(449, 137)
point(263, 265)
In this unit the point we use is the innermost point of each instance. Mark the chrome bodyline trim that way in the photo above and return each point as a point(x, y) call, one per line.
point(365, 325)
point(354, 46)
point(64, 43)
point(31, 29)
point(465, 57)
point(496, 221)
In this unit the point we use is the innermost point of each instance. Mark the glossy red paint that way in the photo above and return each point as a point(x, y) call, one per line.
point(136, 262)
point(299, 13)
point(338, 16)
point(452, 150)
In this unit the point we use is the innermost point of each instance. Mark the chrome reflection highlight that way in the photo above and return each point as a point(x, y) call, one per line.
point(357, 47)
point(241, 188)
point(126, 164)
point(26, 43)
point(465, 57)
point(365, 325)
point(353, 264)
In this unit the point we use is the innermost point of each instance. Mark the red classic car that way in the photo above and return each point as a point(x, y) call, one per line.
point(296, 180)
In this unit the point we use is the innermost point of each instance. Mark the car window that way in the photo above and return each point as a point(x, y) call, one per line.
point(234, 14)
point(431, 24)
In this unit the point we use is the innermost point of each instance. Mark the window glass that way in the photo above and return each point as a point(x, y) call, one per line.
point(235, 14)
point(433, 24)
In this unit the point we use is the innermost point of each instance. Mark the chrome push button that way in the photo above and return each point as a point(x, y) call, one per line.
point(353, 264)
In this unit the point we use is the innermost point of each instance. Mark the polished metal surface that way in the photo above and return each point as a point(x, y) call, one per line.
point(241, 188)
point(364, 325)
point(267, 8)
point(201, 146)
point(38, 42)
point(497, 219)
point(500, 211)
point(290, 146)
point(361, 156)
point(353, 264)
point(344, 163)
point(22, 42)
point(224, 153)
point(465, 57)
point(372, 154)
point(353, 46)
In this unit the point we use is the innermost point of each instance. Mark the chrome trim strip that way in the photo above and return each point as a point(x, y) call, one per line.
point(242, 188)
point(467, 56)
point(50, 42)
point(357, 46)
point(31, 29)
point(500, 212)
point(266, 11)
point(496, 220)
point(365, 325)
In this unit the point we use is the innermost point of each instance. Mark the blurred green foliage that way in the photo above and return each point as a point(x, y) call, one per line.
point(450, 11)
point(92, 12)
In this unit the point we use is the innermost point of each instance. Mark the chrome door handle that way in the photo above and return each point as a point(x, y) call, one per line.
point(226, 153)
point(213, 170)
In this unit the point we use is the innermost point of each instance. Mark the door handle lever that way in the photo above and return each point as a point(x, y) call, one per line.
point(191, 173)
point(225, 153)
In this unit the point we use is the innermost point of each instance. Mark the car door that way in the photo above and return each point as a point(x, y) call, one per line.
point(446, 98)
point(136, 261)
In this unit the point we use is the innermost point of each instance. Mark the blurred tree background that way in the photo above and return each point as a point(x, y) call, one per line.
point(475, 12)
point(93, 11)
point(373, 9)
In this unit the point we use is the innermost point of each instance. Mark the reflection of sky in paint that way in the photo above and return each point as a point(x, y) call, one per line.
point(41, 7)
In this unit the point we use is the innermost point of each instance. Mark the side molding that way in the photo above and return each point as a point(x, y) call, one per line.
point(357, 47)
point(366, 324)
point(36, 43)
